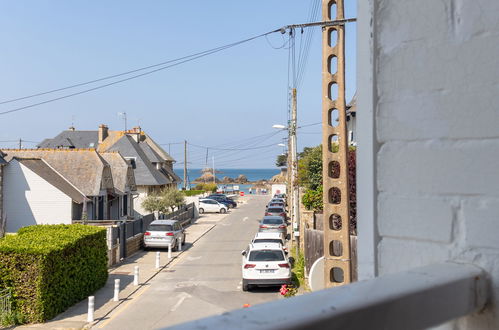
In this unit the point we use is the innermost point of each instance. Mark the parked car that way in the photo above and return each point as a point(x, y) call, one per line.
point(211, 205)
point(283, 196)
point(265, 264)
point(276, 211)
point(162, 233)
point(266, 237)
point(278, 199)
point(275, 204)
point(273, 224)
point(224, 200)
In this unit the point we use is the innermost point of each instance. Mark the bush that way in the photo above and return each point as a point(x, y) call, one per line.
point(312, 199)
point(192, 192)
point(51, 267)
point(211, 187)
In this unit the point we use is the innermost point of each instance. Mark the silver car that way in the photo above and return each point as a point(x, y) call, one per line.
point(273, 224)
point(162, 233)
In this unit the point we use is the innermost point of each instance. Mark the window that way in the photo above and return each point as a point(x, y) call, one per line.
point(266, 255)
point(160, 228)
point(272, 221)
point(268, 240)
point(132, 161)
point(275, 210)
point(125, 204)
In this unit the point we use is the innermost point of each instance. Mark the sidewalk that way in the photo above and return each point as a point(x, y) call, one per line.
point(76, 316)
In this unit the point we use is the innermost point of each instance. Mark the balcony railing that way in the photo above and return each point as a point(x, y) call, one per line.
point(415, 299)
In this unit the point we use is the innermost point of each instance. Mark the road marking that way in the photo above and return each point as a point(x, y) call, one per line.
point(181, 297)
point(245, 218)
point(119, 311)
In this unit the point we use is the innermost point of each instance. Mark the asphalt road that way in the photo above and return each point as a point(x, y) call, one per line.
point(204, 281)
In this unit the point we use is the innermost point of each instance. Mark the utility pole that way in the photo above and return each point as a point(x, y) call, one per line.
point(337, 261)
point(295, 211)
point(20, 143)
point(185, 164)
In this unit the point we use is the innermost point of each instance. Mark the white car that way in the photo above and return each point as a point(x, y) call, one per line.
point(265, 264)
point(266, 237)
point(211, 205)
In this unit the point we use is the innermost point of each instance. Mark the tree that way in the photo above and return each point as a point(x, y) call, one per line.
point(282, 160)
point(173, 198)
point(154, 203)
point(310, 167)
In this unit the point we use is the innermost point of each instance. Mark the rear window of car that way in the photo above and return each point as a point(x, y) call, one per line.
point(272, 221)
point(266, 255)
point(160, 228)
point(267, 240)
point(275, 209)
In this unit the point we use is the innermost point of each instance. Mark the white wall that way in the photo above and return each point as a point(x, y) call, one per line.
point(435, 115)
point(30, 200)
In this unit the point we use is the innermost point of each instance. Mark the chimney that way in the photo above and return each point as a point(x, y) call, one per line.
point(72, 128)
point(135, 133)
point(102, 132)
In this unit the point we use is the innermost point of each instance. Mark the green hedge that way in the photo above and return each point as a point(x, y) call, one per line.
point(192, 192)
point(51, 267)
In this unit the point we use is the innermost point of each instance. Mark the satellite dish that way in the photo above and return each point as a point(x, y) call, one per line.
point(316, 275)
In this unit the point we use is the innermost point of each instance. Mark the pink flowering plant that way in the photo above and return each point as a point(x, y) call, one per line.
point(287, 290)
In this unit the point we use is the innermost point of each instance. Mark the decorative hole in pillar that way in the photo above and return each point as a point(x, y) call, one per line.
point(335, 222)
point(334, 117)
point(333, 37)
point(335, 248)
point(333, 11)
point(333, 144)
point(334, 169)
point(333, 91)
point(334, 195)
point(336, 275)
point(332, 64)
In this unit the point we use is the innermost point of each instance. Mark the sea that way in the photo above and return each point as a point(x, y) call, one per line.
point(251, 173)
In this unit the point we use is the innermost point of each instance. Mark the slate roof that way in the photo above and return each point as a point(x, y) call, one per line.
point(45, 171)
point(151, 154)
point(72, 139)
point(157, 148)
point(352, 106)
point(145, 173)
point(83, 168)
point(120, 171)
point(2, 161)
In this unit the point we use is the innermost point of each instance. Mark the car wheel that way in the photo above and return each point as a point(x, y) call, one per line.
point(201, 210)
point(223, 210)
point(245, 286)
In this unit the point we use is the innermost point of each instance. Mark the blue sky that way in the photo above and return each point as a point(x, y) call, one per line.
point(226, 99)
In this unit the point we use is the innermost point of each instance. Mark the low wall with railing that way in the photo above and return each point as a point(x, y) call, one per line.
point(416, 299)
point(132, 231)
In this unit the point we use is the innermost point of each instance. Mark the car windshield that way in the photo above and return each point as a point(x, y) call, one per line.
point(272, 221)
point(266, 255)
point(275, 209)
point(160, 228)
point(267, 240)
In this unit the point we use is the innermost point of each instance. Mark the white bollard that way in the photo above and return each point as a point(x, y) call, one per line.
point(116, 290)
point(157, 260)
point(170, 251)
point(136, 276)
point(90, 315)
point(180, 245)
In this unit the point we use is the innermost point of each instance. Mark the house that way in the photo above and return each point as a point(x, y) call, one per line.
point(62, 185)
point(152, 166)
point(2, 215)
point(351, 110)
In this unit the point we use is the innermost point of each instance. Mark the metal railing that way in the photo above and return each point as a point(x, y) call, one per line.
point(415, 299)
point(5, 302)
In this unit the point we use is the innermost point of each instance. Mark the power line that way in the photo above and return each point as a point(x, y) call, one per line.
point(178, 62)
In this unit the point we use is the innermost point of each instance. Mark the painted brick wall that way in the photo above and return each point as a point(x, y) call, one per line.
point(436, 106)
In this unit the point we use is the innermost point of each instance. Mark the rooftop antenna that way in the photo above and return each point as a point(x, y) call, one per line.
point(123, 115)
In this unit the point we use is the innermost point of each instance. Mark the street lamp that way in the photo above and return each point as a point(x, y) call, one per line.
point(279, 126)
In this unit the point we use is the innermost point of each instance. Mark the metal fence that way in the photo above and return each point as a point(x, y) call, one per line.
point(5, 302)
point(184, 214)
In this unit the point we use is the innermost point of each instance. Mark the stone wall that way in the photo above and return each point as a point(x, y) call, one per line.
point(431, 102)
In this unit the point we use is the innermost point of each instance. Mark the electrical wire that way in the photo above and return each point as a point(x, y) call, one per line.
point(178, 61)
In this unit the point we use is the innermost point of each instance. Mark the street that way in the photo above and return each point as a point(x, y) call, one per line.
point(204, 281)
